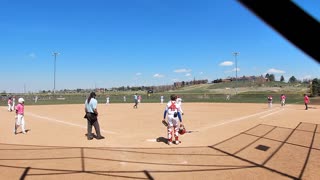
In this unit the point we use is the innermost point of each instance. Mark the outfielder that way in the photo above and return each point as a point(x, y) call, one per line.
point(173, 111)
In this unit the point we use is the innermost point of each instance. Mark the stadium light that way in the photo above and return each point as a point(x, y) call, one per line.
point(235, 54)
point(55, 54)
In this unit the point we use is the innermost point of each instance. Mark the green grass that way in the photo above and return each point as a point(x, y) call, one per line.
point(248, 93)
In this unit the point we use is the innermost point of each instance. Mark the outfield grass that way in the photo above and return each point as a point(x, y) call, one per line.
point(155, 98)
point(246, 93)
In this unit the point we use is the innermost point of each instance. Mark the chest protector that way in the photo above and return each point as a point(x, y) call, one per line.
point(173, 106)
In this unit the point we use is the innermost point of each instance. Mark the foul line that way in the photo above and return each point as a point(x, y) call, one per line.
point(271, 113)
point(63, 122)
point(235, 120)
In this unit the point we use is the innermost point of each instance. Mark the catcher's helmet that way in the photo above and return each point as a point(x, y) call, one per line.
point(182, 130)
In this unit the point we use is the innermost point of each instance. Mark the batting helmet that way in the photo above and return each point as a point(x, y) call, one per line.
point(20, 100)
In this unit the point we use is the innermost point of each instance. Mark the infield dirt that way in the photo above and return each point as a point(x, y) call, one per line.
point(226, 141)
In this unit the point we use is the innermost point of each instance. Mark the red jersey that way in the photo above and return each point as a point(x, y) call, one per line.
point(306, 99)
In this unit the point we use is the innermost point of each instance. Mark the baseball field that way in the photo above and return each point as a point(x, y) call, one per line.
point(224, 141)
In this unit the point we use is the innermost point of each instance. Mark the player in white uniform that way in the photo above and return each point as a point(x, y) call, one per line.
point(10, 104)
point(173, 111)
point(161, 99)
point(13, 103)
point(283, 100)
point(270, 101)
point(107, 100)
point(179, 101)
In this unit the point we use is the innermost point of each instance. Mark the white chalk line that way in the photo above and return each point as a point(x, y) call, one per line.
point(64, 122)
point(271, 113)
point(235, 120)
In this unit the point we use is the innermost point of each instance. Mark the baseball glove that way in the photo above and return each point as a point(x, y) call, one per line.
point(182, 129)
point(164, 122)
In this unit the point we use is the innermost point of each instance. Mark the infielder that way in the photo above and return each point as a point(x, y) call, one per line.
point(13, 103)
point(20, 116)
point(283, 100)
point(270, 101)
point(179, 101)
point(10, 104)
point(173, 111)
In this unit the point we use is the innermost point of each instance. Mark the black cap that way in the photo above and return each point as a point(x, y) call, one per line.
point(93, 94)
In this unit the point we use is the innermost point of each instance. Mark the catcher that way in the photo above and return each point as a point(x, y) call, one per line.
point(173, 110)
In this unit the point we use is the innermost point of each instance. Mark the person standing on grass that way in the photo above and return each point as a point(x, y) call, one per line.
point(107, 100)
point(92, 116)
point(283, 100)
point(306, 101)
point(36, 99)
point(20, 117)
point(270, 101)
point(135, 98)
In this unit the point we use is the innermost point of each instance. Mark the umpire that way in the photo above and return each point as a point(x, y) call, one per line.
point(92, 116)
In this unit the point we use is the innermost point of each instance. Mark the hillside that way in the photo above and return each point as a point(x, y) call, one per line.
point(246, 87)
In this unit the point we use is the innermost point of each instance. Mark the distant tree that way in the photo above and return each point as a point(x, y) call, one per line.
point(315, 87)
point(281, 78)
point(3, 93)
point(306, 81)
point(267, 76)
point(272, 77)
point(292, 79)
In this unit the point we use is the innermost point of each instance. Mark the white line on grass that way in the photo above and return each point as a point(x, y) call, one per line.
point(64, 122)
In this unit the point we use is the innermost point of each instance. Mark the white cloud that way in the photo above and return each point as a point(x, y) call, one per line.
point(188, 74)
point(158, 76)
point(32, 55)
point(182, 70)
point(200, 73)
point(275, 71)
point(226, 63)
point(138, 74)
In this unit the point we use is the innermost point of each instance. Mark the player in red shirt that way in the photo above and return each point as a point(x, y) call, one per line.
point(306, 101)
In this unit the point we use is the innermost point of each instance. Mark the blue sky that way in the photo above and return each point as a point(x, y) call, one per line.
point(112, 43)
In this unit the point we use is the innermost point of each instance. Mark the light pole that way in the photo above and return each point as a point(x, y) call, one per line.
point(235, 54)
point(55, 54)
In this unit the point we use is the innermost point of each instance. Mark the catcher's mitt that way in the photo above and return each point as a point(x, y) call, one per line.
point(164, 122)
point(182, 129)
